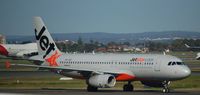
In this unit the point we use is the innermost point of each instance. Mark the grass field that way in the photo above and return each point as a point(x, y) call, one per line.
point(15, 68)
point(53, 82)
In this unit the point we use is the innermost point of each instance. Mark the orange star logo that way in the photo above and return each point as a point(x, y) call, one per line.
point(52, 59)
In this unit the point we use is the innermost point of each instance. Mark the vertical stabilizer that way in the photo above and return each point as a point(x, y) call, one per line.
point(46, 46)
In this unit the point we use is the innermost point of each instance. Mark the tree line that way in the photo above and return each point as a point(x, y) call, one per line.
point(175, 45)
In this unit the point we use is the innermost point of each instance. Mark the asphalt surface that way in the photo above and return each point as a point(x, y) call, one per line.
point(19, 74)
point(84, 92)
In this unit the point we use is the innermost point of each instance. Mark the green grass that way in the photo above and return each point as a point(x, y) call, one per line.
point(15, 68)
point(38, 83)
point(196, 70)
point(191, 82)
point(54, 82)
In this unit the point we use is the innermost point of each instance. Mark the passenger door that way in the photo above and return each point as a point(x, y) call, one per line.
point(157, 65)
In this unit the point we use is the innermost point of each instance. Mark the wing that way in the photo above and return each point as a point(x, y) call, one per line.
point(121, 75)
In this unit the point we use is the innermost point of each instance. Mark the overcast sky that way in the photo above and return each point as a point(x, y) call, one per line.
point(112, 16)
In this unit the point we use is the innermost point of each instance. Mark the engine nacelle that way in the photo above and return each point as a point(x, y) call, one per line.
point(102, 81)
point(153, 83)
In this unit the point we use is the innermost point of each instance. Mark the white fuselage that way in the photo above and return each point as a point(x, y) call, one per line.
point(18, 50)
point(142, 66)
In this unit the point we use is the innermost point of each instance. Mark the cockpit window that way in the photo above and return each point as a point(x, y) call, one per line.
point(169, 63)
point(180, 63)
point(175, 63)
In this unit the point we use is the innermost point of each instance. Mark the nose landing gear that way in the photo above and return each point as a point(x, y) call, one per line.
point(166, 87)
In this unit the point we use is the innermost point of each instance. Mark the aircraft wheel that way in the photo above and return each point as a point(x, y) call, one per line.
point(166, 87)
point(128, 87)
point(165, 90)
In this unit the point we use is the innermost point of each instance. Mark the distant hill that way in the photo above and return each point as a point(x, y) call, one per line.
point(117, 37)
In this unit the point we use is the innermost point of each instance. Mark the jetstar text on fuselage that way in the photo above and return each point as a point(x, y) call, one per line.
point(141, 59)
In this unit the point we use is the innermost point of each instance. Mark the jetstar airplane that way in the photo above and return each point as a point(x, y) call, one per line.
point(198, 56)
point(19, 50)
point(103, 70)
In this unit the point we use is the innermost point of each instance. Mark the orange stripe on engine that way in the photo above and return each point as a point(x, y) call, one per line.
point(124, 77)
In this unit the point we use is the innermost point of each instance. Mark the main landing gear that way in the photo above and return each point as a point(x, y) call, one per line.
point(166, 87)
point(128, 87)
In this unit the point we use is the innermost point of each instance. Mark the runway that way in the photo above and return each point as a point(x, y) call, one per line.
point(19, 74)
point(84, 92)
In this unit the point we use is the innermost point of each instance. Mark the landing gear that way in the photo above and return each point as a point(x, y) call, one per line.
point(91, 88)
point(166, 87)
point(165, 90)
point(128, 87)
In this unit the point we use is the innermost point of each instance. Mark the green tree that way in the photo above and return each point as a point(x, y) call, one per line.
point(80, 46)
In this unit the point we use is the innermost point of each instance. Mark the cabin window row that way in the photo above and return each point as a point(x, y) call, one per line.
point(79, 62)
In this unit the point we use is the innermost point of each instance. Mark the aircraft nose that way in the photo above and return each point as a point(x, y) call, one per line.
point(186, 72)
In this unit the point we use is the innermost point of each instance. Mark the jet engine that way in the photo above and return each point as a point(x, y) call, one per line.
point(102, 81)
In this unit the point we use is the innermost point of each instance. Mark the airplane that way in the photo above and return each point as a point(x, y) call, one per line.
point(104, 70)
point(194, 49)
point(198, 56)
point(19, 50)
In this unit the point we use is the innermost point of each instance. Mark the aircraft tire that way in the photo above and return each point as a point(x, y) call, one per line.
point(128, 87)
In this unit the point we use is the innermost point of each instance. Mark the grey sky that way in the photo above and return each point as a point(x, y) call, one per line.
point(113, 16)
